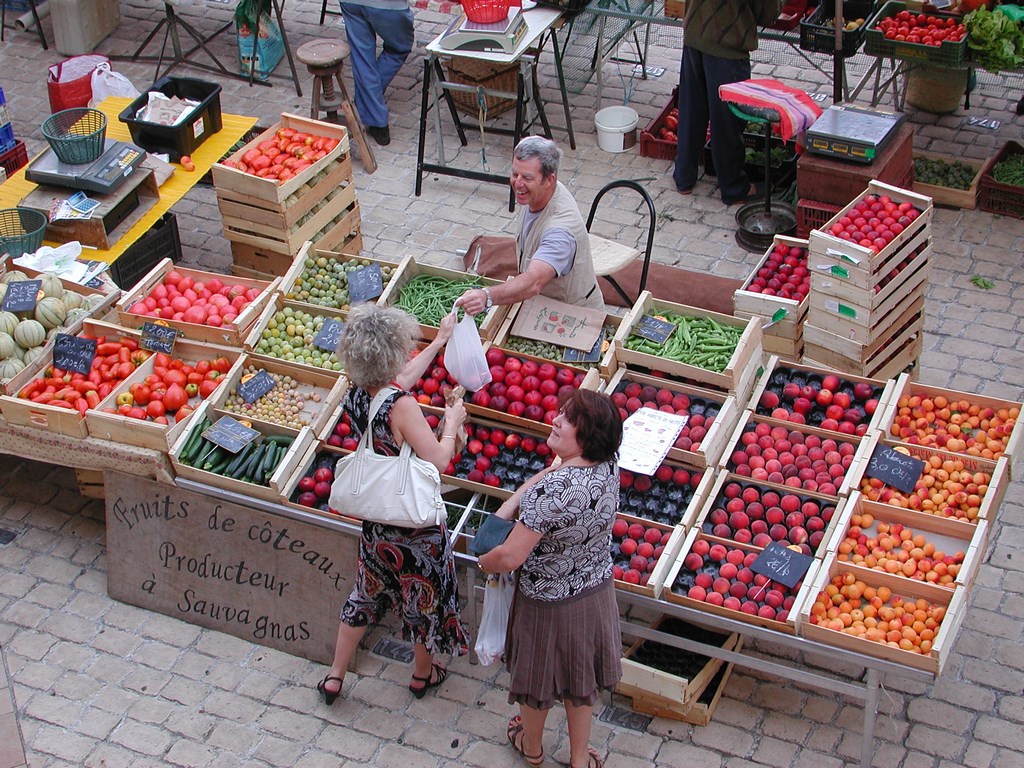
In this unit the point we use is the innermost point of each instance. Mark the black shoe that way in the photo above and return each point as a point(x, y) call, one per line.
point(1020, 107)
point(436, 670)
point(329, 696)
point(380, 134)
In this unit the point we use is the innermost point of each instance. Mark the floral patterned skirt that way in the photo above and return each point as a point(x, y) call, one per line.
point(413, 571)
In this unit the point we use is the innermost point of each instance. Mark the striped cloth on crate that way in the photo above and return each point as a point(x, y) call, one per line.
point(791, 109)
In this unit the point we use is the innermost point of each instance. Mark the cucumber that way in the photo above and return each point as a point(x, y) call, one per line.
point(250, 466)
point(222, 465)
point(238, 460)
point(195, 439)
point(284, 440)
point(270, 462)
point(205, 452)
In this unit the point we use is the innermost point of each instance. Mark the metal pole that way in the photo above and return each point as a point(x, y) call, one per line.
point(838, 65)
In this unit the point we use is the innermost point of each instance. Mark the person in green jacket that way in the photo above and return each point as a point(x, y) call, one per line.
point(717, 40)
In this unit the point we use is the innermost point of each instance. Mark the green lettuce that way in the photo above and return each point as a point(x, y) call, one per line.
point(996, 42)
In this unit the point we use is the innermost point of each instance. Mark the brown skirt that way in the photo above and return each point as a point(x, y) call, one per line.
point(568, 650)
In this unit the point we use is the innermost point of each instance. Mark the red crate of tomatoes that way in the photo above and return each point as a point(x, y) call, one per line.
point(659, 140)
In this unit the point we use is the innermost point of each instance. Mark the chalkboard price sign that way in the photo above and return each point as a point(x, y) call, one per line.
point(72, 353)
point(583, 356)
point(230, 434)
point(894, 468)
point(365, 284)
point(328, 335)
point(158, 338)
point(256, 386)
point(653, 329)
point(21, 296)
point(781, 564)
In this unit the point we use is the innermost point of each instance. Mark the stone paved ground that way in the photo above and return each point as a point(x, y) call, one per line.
point(101, 684)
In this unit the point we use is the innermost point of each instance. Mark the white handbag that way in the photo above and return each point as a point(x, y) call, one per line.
point(401, 490)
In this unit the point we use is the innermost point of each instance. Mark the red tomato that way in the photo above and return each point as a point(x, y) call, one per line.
point(156, 409)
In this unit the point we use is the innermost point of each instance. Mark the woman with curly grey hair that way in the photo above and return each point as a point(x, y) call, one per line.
point(411, 570)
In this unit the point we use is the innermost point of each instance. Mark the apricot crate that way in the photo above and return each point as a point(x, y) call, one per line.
point(229, 334)
point(770, 605)
point(1001, 435)
point(271, 193)
point(714, 414)
point(738, 376)
point(950, 543)
point(783, 317)
point(939, 605)
point(663, 676)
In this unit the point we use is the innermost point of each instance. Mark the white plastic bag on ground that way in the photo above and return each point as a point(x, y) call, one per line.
point(490, 640)
point(464, 356)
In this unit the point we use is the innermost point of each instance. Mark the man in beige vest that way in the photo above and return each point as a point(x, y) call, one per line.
point(552, 243)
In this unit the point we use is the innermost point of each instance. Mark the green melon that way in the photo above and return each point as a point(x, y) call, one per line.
point(51, 312)
point(29, 333)
point(9, 368)
point(51, 285)
point(13, 277)
point(7, 346)
point(31, 355)
point(8, 322)
point(72, 300)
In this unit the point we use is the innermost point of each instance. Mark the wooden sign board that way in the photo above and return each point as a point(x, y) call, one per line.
point(561, 324)
point(365, 284)
point(270, 580)
point(895, 469)
point(255, 387)
point(654, 329)
point(73, 353)
point(230, 434)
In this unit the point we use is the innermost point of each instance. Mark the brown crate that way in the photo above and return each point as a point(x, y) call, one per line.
point(1004, 199)
point(699, 712)
point(90, 483)
point(258, 263)
point(945, 196)
point(839, 181)
point(337, 173)
point(475, 72)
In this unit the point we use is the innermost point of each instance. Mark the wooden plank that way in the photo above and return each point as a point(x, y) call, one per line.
point(266, 235)
point(839, 350)
point(866, 326)
point(90, 483)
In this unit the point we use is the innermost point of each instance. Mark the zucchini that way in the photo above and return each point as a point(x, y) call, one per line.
point(238, 460)
point(222, 465)
point(215, 457)
point(285, 440)
point(270, 462)
point(205, 452)
point(250, 466)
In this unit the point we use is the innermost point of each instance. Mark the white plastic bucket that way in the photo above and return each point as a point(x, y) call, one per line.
point(616, 128)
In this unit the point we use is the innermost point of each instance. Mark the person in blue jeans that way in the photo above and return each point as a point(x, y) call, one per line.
point(718, 37)
point(365, 21)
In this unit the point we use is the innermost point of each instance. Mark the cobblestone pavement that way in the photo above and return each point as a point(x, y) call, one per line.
point(101, 684)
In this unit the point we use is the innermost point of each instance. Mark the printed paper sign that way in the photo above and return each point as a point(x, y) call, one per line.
point(552, 321)
point(647, 436)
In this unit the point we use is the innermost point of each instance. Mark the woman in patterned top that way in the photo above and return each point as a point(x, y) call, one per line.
point(409, 569)
point(563, 640)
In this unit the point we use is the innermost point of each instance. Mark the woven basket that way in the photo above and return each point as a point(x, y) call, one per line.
point(936, 89)
point(76, 135)
point(486, 11)
point(498, 77)
point(21, 231)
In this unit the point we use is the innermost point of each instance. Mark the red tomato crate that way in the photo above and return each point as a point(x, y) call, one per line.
point(651, 143)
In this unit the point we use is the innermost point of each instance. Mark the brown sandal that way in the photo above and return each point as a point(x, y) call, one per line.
point(593, 760)
point(515, 728)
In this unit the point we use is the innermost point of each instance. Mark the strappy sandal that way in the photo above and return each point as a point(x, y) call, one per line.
point(329, 696)
point(428, 681)
point(515, 728)
point(593, 759)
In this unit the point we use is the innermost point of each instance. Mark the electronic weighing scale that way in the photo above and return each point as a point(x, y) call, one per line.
point(499, 37)
point(104, 175)
point(852, 133)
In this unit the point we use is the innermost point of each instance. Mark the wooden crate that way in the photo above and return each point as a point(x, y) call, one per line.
point(945, 196)
point(955, 604)
point(258, 263)
point(864, 266)
point(488, 490)
point(840, 279)
point(714, 443)
point(789, 625)
point(230, 335)
point(410, 268)
point(337, 174)
point(904, 387)
point(147, 433)
point(252, 340)
point(90, 483)
point(656, 581)
point(948, 535)
point(504, 334)
point(655, 686)
point(272, 492)
point(866, 316)
point(887, 357)
point(998, 470)
point(738, 377)
point(273, 194)
point(785, 316)
point(329, 387)
point(700, 711)
point(681, 511)
point(288, 289)
point(250, 228)
point(297, 469)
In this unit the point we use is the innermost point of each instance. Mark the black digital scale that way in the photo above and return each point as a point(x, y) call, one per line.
point(104, 175)
point(852, 133)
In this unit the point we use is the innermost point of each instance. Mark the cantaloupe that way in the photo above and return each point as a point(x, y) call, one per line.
point(8, 322)
point(51, 312)
point(29, 333)
point(7, 346)
point(10, 367)
point(13, 277)
point(31, 355)
point(51, 285)
point(72, 300)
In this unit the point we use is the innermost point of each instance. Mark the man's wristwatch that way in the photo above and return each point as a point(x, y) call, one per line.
point(490, 301)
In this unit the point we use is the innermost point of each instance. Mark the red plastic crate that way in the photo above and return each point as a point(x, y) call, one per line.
point(994, 197)
point(811, 214)
point(15, 158)
point(651, 143)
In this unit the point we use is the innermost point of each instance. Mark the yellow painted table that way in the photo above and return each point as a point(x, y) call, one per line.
point(14, 190)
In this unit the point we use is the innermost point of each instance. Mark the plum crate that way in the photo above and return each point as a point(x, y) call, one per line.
point(962, 541)
point(953, 605)
point(783, 327)
point(651, 580)
point(721, 409)
point(293, 285)
point(265, 325)
point(739, 374)
point(516, 462)
point(672, 496)
point(903, 391)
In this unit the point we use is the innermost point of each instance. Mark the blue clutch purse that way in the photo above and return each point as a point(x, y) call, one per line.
point(491, 534)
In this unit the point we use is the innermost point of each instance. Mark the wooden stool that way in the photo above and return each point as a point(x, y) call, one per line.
point(324, 59)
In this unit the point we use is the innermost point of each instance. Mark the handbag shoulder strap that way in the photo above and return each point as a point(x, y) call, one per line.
point(366, 441)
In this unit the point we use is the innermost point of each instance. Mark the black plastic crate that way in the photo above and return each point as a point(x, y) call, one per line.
point(819, 36)
point(184, 138)
point(160, 242)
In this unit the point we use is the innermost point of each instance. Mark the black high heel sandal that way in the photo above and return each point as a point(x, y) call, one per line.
point(329, 696)
point(442, 675)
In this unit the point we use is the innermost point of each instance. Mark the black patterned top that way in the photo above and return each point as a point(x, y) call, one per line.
point(357, 405)
point(574, 508)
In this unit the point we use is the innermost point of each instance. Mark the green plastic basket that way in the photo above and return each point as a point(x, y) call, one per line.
point(21, 231)
point(76, 135)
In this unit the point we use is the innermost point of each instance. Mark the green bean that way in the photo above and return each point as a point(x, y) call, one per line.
point(697, 341)
point(430, 297)
point(1010, 171)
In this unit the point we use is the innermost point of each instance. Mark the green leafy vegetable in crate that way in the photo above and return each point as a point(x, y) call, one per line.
point(1010, 171)
point(324, 281)
point(778, 156)
point(996, 42)
point(698, 341)
point(429, 298)
point(289, 336)
point(939, 173)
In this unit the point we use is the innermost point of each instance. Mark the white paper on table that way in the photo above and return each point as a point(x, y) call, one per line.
point(647, 436)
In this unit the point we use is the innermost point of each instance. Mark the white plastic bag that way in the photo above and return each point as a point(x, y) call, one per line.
point(464, 356)
point(490, 640)
point(106, 82)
